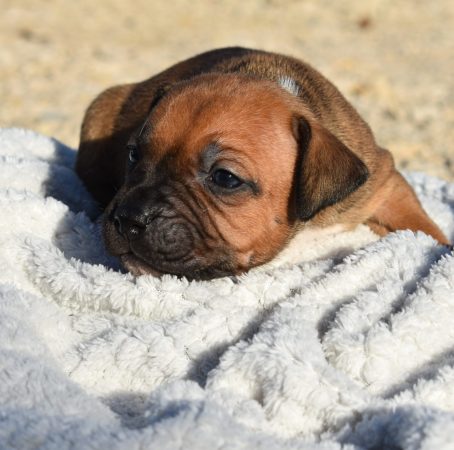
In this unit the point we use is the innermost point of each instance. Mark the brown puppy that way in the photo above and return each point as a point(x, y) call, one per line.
point(212, 166)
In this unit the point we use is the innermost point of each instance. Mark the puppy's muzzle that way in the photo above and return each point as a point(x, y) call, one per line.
point(153, 233)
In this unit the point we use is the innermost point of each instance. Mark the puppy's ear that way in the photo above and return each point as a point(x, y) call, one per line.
point(327, 171)
point(160, 92)
point(157, 97)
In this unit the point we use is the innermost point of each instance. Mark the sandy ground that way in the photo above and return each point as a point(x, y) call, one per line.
point(394, 60)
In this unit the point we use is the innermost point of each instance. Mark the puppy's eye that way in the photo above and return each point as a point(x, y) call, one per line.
point(133, 155)
point(225, 179)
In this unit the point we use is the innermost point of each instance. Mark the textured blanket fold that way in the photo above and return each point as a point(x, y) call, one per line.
point(350, 348)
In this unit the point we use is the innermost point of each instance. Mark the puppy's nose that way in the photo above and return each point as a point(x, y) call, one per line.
point(130, 223)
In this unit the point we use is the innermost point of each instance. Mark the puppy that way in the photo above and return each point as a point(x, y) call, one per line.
point(211, 167)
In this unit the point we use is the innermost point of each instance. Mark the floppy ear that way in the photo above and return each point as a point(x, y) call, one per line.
point(157, 97)
point(327, 171)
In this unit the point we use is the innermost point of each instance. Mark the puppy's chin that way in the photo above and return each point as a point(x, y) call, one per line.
point(138, 267)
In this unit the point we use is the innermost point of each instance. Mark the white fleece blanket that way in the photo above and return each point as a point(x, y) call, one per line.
point(351, 348)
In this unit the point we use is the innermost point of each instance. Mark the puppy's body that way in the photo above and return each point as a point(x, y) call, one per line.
point(302, 155)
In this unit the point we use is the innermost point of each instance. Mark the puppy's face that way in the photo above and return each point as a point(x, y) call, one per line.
point(210, 180)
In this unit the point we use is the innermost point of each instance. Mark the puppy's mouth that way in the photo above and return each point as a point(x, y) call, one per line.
point(137, 266)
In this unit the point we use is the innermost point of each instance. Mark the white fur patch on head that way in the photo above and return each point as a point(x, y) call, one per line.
point(289, 84)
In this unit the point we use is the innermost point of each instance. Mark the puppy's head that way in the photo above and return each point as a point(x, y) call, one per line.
point(219, 176)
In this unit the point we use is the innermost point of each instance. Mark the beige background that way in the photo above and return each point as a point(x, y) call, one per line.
point(394, 60)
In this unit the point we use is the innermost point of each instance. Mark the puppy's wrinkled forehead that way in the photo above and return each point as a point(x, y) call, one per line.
point(232, 111)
